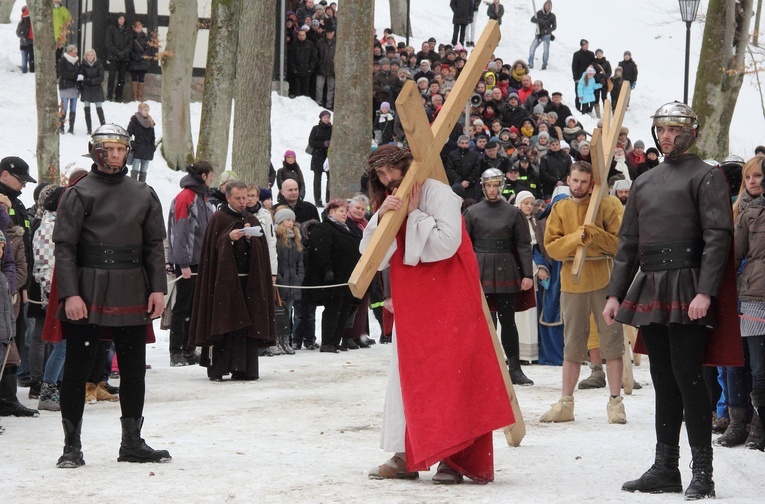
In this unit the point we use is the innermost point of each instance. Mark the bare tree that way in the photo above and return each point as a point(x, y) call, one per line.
point(6, 6)
point(252, 103)
point(177, 65)
point(756, 35)
point(398, 17)
point(720, 73)
point(353, 97)
point(46, 91)
point(219, 83)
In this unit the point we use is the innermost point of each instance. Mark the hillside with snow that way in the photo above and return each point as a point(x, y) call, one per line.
point(309, 429)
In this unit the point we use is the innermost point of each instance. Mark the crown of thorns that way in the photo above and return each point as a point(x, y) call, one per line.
point(392, 158)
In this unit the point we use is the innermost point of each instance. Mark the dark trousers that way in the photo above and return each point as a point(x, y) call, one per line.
point(117, 70)
point(576, 96)
point(676, 354)
point(504, 305)
point(756, 346)
point(337, 310)
point(82, 350)
point(739, 382)
point(179, 320)
point(459, 29)
point(302, 85)
point(305, 323)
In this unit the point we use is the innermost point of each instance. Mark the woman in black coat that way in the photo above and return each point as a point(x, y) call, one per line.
point(332, 255)
point(318, 140)
point(68, 85)
point(141, 128)
point(139, 60)
point(92, 89)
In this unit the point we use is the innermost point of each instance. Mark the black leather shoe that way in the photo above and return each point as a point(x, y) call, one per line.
point(329, 349)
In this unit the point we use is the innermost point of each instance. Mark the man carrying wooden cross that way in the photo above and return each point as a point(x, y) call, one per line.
point(446, 393)
point(566, 231)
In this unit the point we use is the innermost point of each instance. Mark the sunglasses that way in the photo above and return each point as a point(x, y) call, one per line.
point(22, 182)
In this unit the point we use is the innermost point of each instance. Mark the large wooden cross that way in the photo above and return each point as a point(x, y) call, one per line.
point(602, 147)
point(426, 143)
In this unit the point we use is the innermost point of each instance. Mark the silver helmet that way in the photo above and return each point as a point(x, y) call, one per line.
point(108, 133)
point(493, 175)
point(733, 160)
point(676, 114)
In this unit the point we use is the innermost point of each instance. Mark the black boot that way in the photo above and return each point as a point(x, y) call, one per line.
point(134, 448)
point(736, 433)
point(72, 456)
point(142, 176)
point(9, 403)
point(663, 476)
point(100, 112)
point(517, 375)
point(702, 486)
point(61, 127)
point(758, 401)
point(72, 116)
point(88, 123)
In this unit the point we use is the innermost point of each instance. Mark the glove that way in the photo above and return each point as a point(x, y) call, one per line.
point(80, 78)
point(632, 86)
point(329, 277)
point(552, 38)
point(326, 143)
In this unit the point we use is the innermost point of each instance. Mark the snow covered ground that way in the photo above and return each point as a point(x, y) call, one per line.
point(308, 430)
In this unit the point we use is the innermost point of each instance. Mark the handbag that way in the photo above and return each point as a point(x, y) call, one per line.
point(309, 150)
point(282, 316)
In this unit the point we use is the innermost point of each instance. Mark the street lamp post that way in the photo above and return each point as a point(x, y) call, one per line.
point(688, 11)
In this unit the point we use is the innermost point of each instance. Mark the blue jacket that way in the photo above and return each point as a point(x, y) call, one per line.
point(587, 91)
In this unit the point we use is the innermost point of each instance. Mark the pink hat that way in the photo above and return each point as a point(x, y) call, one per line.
point(289, 153)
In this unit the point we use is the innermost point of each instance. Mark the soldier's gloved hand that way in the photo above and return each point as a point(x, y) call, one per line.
point(329, 277)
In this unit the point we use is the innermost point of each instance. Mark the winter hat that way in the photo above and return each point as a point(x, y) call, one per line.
point(759, 149)
point(478, 122)
point(492, 66)
point(2, 238)
point(544, 134)
point(384, 61)
point(395, 61)
point(315, 22)
point(512, 95)
point(305, 27)
point(265, 195)
point(523, 195)
point(627, 53)
point(570, 118)
point(458, 47)
point(40, 187)
point(598, 51)
point(582, 144)
point(24, 11)
point(384, 105)
point(590, 70)
point(652, 150)
point(324, 113)
point(564, 145)
point(539, 108)
point(491, 144)
point(514, 129)
point(639, 144)
point(624, 131)
point(228, 176)
point(289, 153)
point(283, 214)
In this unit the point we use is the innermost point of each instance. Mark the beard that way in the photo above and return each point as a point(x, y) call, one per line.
point(393, 184)
point(579, 193)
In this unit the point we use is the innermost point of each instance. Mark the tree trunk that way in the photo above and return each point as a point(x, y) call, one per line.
point(720, 74)
point(6, 6)
point(398, 17)
point(177, 65)
point(252, 92)
point(756, 36)
point(219, 84)
point(353, 98)
point(46, 90)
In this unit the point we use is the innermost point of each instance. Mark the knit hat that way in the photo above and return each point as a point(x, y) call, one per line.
point(228, 176)
point(265, 195)
point(491, 144)
point(652, 150)
point(384, 105)
point(514, 129)
point(2, 238)
point(598, 51)
point(523, 195)
point(289, 153)
point(581, 144)
point(544, 134)
point(384, 61)
point(315, 22)
point(564, 145)
point(283, 214)
point(512, 95)
point(590, 70)
point(492, 66)
point(639, 144)
point(627, 53)
point(624, 131)
point(570, 118)
point(395, 61)
point(324, 113)
point(539, 108)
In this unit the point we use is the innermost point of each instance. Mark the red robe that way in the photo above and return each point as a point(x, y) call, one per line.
point(453, 392)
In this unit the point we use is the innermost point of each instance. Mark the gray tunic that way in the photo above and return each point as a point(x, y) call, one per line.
point(107, 210)
point(502, 270)
point(685, 201)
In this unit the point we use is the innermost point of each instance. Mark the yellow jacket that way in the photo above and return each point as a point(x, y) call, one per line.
point(566, 231)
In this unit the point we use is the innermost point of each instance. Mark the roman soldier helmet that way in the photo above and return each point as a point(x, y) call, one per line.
point(733, 159)
point(676, 114)
point(108, 133)
point(493, 175)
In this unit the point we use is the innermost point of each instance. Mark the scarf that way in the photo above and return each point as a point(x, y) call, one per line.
point(527, 131)
point(341, 224)
point(71, 59)
point(621, 167)
point(518, 74)
point(146, 122)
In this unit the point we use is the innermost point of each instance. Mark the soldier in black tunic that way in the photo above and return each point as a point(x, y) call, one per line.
point(110, 282)
point(677, 227)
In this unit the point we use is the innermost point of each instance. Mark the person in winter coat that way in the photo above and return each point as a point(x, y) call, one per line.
point(651, 161)
point(301, 64)
point(475, 5)
point(462, 167)
point(629, 69)
point(616, 86)
point(141, 128)
point(520, 69)
point(190, 212)
point(290, 270)
point(26, 42)
point(383, 125)
point(546, 24)
point(495, 11)
point(462, 11)
point(333, 254)
point(290, 170)
point(586, 91)
point(325, 70)
point(319, 140)
point(603, 74)
point(139, 60)
point(69, 78)
point(383, 83)
point(119, 42)
point(92, 91)
point(581, 60)
point(554, 168)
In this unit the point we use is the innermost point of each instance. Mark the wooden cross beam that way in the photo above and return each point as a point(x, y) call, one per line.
point(426, 142)
point(602, 147)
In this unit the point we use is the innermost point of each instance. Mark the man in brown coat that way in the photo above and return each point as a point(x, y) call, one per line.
point(109, 282)
point(235, 272)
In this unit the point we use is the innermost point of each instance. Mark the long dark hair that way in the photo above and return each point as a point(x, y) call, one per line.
point(386, 155)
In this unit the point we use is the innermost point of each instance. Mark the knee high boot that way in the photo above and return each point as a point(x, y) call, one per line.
point(597, 109)
point(72, 116)
point(134, 174)
point(512, 351)
point(72, 456)
point(133, 448)
point(758, 401)
point(139, 94)
point(9, 402)
point(142, 176)
point(663, 476)
point(88, 122)
point(702, 486)
point(100, 112)
point(62, 123)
